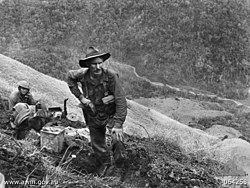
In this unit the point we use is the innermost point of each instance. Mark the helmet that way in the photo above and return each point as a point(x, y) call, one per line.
point(24, 84)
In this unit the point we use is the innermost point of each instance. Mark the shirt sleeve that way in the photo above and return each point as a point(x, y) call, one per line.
point(12, 100)
point(31, 99)
point(120, 101)
point(72, 78)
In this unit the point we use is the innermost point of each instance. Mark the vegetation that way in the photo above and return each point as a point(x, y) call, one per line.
point(184, 42)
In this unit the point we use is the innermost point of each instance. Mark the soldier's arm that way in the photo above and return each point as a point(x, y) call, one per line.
point(32, 101)
point(12, 100)
point(120, 101)
point(72, 78)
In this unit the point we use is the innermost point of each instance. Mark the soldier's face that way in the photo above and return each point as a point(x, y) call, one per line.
point(24, 91)
point(96, 66)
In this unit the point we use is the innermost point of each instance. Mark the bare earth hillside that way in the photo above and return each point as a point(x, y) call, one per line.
point(154, 120)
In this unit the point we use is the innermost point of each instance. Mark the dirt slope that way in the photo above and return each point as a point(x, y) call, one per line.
point(235, 151)
point(141, 120)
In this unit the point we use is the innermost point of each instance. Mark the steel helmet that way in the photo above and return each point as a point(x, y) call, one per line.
point(24, 84)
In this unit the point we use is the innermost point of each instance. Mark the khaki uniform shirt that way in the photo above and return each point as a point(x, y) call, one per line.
point(16, 97)
point(95, 90)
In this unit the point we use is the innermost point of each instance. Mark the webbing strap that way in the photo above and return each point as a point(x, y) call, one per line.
point(86, 89)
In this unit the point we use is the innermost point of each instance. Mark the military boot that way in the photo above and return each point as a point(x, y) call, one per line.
point(119, 153)
point(105, 162)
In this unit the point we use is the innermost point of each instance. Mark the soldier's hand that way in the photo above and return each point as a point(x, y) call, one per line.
point(38, 105)
point(85, 101)
point(12, 118)
point(12, 125)
point(117, 134)
point(92, 107)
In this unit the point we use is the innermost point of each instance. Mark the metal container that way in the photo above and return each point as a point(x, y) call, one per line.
point(52, 138)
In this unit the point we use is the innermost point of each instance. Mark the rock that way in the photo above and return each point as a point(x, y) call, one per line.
point(220, 131)
point(233, 152)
